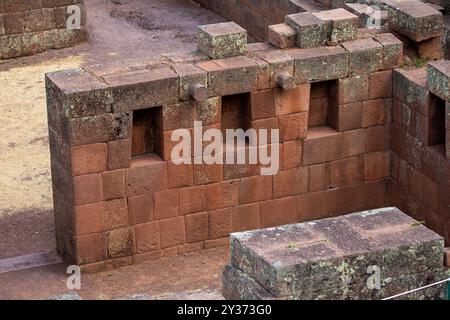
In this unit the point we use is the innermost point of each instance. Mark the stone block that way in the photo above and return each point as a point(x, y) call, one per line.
point(280, 65)
point(82, 94)
point(101, 128)
point(353, 89)
point(346, 117)
point(366, 55)
point(439, 78)
point(431, 49)
point(310, 30)
point(414, 19)
point(320, 64)
point(325, 139)
point(140, 89)
point(239, 286)
point(341, 25)
point(392, 50)
point(281, 35)
point(246, 217)
point(222, 40)
point(39, 20)
point(191, 77)
point(231, 76)
point(410, 87)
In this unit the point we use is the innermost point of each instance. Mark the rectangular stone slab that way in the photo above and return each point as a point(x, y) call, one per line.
point(414, 19)
point(237, 285)
point(320, 64)
point(321, 255)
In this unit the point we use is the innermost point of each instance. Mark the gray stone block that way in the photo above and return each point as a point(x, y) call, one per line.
point(414, 19)
point(222, 40)
point(330, 258)
point(439, 78)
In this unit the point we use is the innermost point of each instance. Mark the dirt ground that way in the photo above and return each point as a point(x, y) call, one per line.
point(118, 29)
point(164, 276)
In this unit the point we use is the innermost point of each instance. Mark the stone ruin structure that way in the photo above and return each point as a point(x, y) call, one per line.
point(359, 130)
point(337, 258)
point(29, 27)
point(260, 17)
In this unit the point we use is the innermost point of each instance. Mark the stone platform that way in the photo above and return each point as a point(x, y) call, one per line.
point(337, 258)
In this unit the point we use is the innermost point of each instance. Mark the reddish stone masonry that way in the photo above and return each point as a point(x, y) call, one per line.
point(30, 27)
point(119, 199)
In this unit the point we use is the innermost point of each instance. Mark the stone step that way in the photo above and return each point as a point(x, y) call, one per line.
point(334, 257)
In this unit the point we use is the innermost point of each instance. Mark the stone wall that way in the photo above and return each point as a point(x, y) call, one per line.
point(28, 27)
point(421, 144)
point(114, 208)
point(119, 197)
point(256, 16)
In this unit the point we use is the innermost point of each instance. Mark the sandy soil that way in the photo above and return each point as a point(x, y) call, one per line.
point(121, 30)
point(166, 275)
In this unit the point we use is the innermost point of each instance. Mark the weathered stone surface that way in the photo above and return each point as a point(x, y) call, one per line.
point(329, 259)
point(320, 64)
point(279, 63)
point(236, 285)
point(143, 88)
point(101, 128)
point(82, 94)
point(392, 50)
point(231, 75)
point(282, 35)
point(222, 40)
point(366, 55)
point(310, 30)
point(10, 46)
point(190, 76)
point(414, 19)
point(439, 78)
point(341, 25)
point(410, 88)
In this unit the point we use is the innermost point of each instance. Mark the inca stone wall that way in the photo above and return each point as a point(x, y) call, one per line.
point(28, 27)
point(421, 142)
point(345, 145)
point(374, 254)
